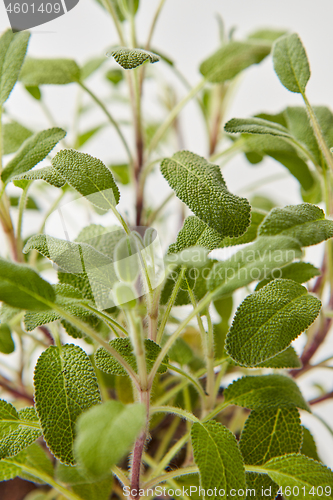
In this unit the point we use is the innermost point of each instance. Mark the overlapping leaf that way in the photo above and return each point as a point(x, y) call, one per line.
point(65, 386)
point(218, 458)
point(201, 187)
point(47, 174)
point(265, 391)
point(32, 464)
point(14, 134)
point(296, 271)
point(267, 321)
point(304, 222)
point(32, 151)
point(76, 478)
point(105, 434)
point(89, 176)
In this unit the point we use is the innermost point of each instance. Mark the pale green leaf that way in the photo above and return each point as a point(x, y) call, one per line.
point(297, 470)
point(14, 134)
point(256, 126)
point(121, 172)
point(22, 287)
point(304, 222)
point(296, 271)
point(13, 47)
point(268, 320)
point(269, 35)
point(105, 434)
point(233, 58)
point(32, 151)
point(201, 187)
point(254, 262)
point(265, 391)
point(89, 176)
point(91, 66)
point(32, 464)
point(65, 385)
point(37, 72)
point(181, 352)
point(309, 447)
point(7, 345)
point(18, 430)
point(218, 458)
point(76, 478)
point(132, 58)
point(47, 174)
point(108, 364)
point(291, 63)
point(270, 433)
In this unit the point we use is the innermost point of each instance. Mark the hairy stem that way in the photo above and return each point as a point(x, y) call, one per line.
point(22, 205)
point(144, 397)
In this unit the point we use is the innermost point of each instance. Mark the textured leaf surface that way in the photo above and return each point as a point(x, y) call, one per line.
point(270, 433)
point(108, 364)
point(298, 470)
point(89, 176)
point(267, 321)
point(254, 262)
point(65, 386)
point(217, 455)
point(32, 151)
point(105, 434)
point(265, 391)
point(201, 187)
point(14, 134)
point(264, 487)
point(13, 47)
point(37, 72)
point(231, 59)
point(309, 447)
point(304, 222)
point(31, 464)
point(6, 342)
point(285, 359)
point(132, 58)
point(256, 126)
point(47, 174)
point(296, 271)
point(22, 287)
point(196, 232)
point(291, 63)
point(18, 429)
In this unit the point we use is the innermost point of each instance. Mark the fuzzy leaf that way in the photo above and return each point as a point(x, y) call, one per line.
point(251, 233)
point(252, 263)
point(37, 72)
point(218, 458)
point(132, 58)
point(285, 359)
point(201, 187)
point(108, 364)
point(298, 470)
point(18, 430)
point(47, 174)
point(14, 134)
point(22, 287)
point(301, 272)
point(306, 223)
point(7, 345)
point(105, 434)
point(32, 151)
point(267, 321)
point(196, 232)
point(233, 58)
point(309, 447)
point(89, 176)
point(270, 433)
point(31, 464)
point(13, 47)
point(256, 126)
point(291, 63)
point(65, 386)
point(265, 391)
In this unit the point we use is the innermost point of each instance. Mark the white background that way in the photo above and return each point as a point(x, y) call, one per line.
point(187, 31)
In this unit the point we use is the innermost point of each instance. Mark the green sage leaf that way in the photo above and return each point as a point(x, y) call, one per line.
point(37, 72)
point(14, 134)
point(291, 63)
point(7, 345)
point(132, 58)
point(13, 47)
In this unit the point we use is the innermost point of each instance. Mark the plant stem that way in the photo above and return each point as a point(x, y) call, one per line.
point(175, 411)
point(110, 8)
point(144, 397)
point(22, 204)
point(105, 317)
point(153, 24)
point(157, 211)
point(172, 115)
point(210, 364)
point(169, 306)
point(110, 118)
point(169, 456)
point(189, 377)
point(320, 399)
point(183, 471)
point(120, 475)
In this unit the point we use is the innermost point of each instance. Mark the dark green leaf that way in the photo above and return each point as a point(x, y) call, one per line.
point(65, 386)
point(309, 447)
point(132, 58)
point(7, 345)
